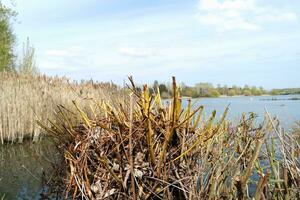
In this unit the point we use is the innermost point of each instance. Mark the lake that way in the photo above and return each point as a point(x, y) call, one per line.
point(288, 111)
point(22, 165)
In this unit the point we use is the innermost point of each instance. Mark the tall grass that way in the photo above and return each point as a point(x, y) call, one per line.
point(143, 148)
point(27, 97)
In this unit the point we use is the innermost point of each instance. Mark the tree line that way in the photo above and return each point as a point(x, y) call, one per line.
point(208, 90)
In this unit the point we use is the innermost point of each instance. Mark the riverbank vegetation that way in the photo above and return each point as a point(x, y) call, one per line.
point(28, 97)
point(145, 148)
point(208, 90)
point(285, 91)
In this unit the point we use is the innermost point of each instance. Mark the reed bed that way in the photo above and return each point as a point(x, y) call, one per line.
point(26, 98)
point(144, 148)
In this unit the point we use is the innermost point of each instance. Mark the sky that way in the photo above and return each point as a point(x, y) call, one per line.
point(254, 42)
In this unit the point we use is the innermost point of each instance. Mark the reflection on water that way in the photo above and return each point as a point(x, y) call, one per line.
point(22, 167)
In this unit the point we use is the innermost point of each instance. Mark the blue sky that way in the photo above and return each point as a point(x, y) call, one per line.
point(253, 42)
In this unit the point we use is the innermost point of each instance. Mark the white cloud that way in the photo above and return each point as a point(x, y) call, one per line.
point(57, 66)
point(227, 23)
point(276, 16)
point(227, 5)
point(59, 53)
point(138, 52)
point(49, 65)
point(72, 51)
point(229, 15)
point(68, 59)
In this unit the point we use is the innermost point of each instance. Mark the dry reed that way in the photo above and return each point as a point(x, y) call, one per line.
point(26, 98)
point(144, 148)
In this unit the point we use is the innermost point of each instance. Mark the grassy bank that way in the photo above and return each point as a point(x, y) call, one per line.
point(143, 148)
point(26, 98)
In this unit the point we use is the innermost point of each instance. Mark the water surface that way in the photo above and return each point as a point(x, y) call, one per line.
point(288, 111)
point(22, 167)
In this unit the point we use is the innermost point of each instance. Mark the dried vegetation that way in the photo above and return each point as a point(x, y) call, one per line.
point(27, 97)
point(146, 148)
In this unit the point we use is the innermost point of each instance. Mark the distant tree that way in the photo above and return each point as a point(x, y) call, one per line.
point(246, 87)
point(7, 38)
point(247, 92)
point(274, 92)
point(225, 90)
point(203, 88)
point(263, 91)
point(208, 90)
point(231, 92)
point(27, 64)
point(163, 88)
point(189, 92)
point(237, 90)
point(204, 85)
point(255, 91)
point(214, 93)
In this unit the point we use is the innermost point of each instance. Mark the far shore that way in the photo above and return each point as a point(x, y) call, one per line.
point(237, 96)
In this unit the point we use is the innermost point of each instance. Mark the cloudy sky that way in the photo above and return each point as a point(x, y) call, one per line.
point(253, 42)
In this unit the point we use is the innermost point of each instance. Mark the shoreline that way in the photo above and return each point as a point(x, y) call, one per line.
point(238, 96)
